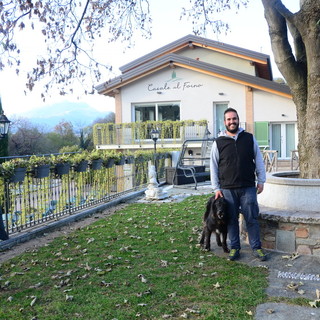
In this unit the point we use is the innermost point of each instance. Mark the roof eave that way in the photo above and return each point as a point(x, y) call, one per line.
point(200, 42)
point(108, 88)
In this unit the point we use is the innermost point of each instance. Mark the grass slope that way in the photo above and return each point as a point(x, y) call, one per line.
point(143, 262)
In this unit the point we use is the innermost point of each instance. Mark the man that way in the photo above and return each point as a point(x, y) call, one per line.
point(235, 163)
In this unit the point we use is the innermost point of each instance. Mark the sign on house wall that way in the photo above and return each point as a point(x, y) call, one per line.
point(174, 83)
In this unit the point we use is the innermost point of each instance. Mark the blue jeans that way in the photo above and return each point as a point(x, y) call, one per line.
point(246, 200)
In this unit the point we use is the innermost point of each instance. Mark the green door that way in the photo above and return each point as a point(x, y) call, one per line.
point(261, 133)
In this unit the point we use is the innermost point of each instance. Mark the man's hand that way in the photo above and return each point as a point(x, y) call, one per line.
point(259, 188)
point(218, 194)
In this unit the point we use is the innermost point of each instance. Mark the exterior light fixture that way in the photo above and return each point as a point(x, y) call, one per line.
point(4, 125)
point(155, 133)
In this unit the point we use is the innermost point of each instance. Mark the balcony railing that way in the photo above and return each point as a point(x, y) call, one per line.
point(137, 134)
point(34, 201)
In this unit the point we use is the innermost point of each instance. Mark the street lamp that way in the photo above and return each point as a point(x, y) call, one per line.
point(4, 125)
point(4, 128)
point(155, 136)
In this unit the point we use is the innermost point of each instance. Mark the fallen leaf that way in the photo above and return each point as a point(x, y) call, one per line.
point(35, 286)
point(87, 267)
point(301, 291)
point(270, 311)
point(33, 301)
point(217, 285)
point(313, 304)
point(293, 286)
point(69, 298)
point(192, 311)
point(318, 293)
point(292, 256)
point(249, 313)
point(142, 278)
point(164, 263)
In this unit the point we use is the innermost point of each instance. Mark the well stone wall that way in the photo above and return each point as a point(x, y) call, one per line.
point(290, 231)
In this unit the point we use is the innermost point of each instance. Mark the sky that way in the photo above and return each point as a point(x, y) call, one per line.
point(248, 29)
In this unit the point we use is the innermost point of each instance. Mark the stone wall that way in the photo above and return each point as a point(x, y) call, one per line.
point(290, 232)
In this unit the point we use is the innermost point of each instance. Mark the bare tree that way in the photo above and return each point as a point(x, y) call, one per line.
point(300, 66)
point(62, 136)
point(70, 29)
point(110, 117)
point(26, 138)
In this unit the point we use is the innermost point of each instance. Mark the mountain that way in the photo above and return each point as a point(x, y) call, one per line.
point(79, 114)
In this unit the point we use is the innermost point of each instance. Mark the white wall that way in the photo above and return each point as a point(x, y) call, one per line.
point(196, 93)
point(219, 59)
point(271, 107)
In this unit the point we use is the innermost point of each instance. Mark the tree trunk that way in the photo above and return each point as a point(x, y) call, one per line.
point(301, 70)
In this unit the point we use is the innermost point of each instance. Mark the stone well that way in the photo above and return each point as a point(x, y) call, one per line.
point(290, 213)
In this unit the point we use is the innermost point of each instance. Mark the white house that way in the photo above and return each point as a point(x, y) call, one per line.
point(194, 78)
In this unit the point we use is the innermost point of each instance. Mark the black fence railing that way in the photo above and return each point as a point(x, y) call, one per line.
point(34, 201)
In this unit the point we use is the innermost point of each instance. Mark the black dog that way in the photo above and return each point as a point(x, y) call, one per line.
point(215, 220)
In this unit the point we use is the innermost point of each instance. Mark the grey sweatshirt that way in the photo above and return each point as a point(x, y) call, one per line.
point(214, 161)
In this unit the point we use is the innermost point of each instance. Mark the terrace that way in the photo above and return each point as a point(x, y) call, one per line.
point(136, 135)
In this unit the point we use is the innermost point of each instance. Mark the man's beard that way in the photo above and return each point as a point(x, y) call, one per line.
point(234, 130)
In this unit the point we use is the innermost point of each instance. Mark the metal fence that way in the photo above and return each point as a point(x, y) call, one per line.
point(35, 201)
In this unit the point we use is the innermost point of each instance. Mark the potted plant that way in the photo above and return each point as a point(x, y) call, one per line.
point(15, 169)
point(62, 163)
point(108, 159)
point(95, 158)
point(129, 158)
point(143, 156)
point(80, 161)
point(40, 166)
point(120, 159)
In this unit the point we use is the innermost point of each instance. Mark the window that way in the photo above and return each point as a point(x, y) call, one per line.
point(157, 112)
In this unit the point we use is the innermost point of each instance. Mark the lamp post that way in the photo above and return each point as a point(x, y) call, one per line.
point(4, 129)
point(155, 136)
point(4, 125)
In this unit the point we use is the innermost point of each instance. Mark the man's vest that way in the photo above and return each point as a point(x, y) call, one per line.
point(236, 161)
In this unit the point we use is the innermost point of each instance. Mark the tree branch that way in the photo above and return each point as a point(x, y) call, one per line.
point(282, 50)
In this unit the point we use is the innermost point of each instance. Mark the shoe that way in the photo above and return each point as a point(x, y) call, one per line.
point(234, 254)
point(258, 253)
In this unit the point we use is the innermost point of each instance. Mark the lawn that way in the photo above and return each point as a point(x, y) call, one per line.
point(143, 262)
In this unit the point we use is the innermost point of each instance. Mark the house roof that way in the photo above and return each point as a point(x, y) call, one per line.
point(261, 61)
point(174, 60)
